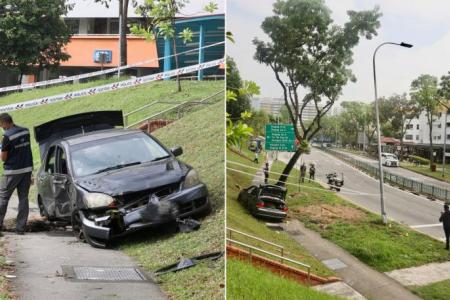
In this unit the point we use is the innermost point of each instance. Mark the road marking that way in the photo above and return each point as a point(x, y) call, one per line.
point(426, 225)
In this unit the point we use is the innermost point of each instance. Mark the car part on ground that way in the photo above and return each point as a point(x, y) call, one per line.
point(186, 263)
point(188, 225)
point(108, 182)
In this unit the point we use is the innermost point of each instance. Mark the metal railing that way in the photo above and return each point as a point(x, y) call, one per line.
point(180, 108)
point(394, 179)
point(279, 248)
point(251, 249)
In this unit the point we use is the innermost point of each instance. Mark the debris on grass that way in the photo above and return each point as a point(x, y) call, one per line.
point(325, 214)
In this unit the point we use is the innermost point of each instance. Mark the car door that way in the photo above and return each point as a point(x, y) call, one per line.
point(45, 181)
point(62, 185)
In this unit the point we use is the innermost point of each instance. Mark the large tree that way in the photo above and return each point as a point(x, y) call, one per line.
point(401, 112)
point(424, 93)
point(307, 50)
point(241, 101)
point(32, 34)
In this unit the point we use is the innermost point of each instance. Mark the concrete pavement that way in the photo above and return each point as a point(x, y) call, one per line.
point(368, 282)
point(38, 258)
point(359, 188)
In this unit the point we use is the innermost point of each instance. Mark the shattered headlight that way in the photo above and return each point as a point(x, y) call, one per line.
point(191, 179)
point(94, 200)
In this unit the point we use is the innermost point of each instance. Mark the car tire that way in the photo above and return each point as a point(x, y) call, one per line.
point(80, 232)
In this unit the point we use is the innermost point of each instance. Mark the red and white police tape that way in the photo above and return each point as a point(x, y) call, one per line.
point(110, 87)
point(96, 73)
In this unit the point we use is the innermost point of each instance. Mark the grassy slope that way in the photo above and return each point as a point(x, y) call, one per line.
point(249, 282)
point(435, 291)
point(239, 218)
point(202, 136)
point(384, 248)
point(125, 100)
point(425, 170)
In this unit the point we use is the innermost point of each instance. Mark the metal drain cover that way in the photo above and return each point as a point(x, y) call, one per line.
point(334, 264)
point(103, 273)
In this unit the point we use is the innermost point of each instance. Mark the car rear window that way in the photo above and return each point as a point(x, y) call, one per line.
point(272, 192)
point(92, 157)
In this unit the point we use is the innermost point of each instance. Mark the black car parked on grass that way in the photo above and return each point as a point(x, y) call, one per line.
point(265, 200)
point(107, 181)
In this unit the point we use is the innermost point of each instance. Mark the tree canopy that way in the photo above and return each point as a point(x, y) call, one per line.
point(33, 34)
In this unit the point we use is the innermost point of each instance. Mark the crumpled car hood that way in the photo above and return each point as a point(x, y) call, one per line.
point(135, 178)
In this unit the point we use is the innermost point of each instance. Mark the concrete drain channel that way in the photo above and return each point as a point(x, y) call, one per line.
point(104, 274)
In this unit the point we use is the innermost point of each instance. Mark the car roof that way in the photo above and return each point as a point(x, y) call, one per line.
point(98, 135)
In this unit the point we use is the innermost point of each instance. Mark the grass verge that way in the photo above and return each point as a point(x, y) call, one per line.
point(360, 232)
point(240, 219)
point(435, 291)
point(126, 100)
point(249, 282)
point(201, 136)
point(425, 170)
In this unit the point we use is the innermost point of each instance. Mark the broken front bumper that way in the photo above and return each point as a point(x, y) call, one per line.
point(119, 222)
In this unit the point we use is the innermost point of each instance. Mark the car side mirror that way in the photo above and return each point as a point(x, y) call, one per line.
point(176, 151)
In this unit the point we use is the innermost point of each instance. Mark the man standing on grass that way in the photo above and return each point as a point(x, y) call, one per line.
point(445, 219)
point(17, 168)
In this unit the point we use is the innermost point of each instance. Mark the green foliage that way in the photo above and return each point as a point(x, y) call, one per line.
point(312, 52)
point(420, 160)
point(32, 34)
point(245, 281)
point(211, 7)
point(434, 291)
point(258, 121)
point(235, 91)
point(424, 93)
point(186, 35)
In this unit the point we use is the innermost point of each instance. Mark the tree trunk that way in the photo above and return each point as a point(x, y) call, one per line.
point(176, 62)
point(290, 165)
point(123, 15)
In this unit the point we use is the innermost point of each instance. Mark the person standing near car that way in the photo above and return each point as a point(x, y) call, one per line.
point(312, 172)
point(17, 169)
point(266, 172)
point(303, 172)
point(445, 219)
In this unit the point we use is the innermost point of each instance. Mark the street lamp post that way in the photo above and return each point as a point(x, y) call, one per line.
point(380, 166)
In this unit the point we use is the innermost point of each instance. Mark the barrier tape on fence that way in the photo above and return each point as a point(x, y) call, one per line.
point(109, 87)
point(96, 73)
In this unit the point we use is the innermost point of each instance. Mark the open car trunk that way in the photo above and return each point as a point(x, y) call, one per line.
point(71, 125)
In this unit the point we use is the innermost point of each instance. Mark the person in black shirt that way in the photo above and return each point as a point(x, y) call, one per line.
point(445, 219)
point(17, 169)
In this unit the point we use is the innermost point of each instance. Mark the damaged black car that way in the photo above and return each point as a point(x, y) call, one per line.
point(107, 181)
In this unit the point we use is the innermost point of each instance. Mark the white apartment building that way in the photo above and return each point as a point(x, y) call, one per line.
point(417, 131)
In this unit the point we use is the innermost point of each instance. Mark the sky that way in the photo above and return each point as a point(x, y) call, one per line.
point(89, 8)
point(425, 24)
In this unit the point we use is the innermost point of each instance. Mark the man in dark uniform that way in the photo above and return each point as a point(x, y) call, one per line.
point(266, 172)
point(445, 219)
point(17, 168)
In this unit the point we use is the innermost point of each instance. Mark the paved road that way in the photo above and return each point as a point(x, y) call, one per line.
point(402, 172)
point(361, 189)
point(38, 258)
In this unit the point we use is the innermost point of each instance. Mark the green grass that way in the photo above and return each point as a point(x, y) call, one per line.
point(240, 219)
point(249, 282)
point(125, 100)
point(425, 170)
point(382, 247)
point(202, 136)
point(435, 291)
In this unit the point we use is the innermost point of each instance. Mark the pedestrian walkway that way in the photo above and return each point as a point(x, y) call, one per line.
point(422, 275)
point(368, 282)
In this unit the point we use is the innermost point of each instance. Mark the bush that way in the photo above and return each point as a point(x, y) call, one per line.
point(421, 160)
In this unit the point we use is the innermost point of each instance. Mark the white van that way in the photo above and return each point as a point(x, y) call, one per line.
point(389, 160)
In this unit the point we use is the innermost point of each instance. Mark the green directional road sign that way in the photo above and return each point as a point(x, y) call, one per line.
point(280, 137)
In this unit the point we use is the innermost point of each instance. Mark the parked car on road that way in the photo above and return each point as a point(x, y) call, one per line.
point(107, 182)
point(389, 160)
point(266, 201)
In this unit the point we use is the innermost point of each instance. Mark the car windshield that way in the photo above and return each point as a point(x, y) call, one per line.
point(391, 156)
point(115, 153)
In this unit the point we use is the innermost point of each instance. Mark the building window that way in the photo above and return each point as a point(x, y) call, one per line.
point(409, 137)
point(417, 126)
point(417, 137)
point(101, 26)
point(438, 137)
point(73, 25)
point(409, 126)
point(113, 26)
point(439, 126)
